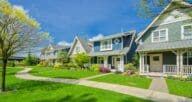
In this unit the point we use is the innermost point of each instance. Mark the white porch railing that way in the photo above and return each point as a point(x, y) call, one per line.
point(172, 69)
point(186, 69)
point(146, 68)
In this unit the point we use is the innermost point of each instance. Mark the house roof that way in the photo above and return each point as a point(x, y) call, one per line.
point(123, 51)
point(84, 42)
point(165, 10)
point(165, 45)
point(115, 35)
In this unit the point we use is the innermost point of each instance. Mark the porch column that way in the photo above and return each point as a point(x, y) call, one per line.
point(181, 60)
point(178, 61)
point(106, 61)
point(141, 63)
point(121, 64)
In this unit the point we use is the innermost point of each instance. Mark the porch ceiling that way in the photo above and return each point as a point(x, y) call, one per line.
point(165, 45)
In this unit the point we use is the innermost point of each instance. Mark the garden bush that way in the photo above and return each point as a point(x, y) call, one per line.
point(11, 64)
point(43, 64)
point(57, 65)
point(130, 66)
point(95, 67)
point(71, 65)
point(104, 70)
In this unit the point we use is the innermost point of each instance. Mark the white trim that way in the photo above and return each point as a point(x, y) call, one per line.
point(111, 46)
point(182, 30)
point(166, 37)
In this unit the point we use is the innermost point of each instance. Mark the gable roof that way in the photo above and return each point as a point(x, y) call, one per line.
point(165, 10)
point(84, 42)
point(123, 51)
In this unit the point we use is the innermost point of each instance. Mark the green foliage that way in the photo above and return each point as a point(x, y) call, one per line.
point(71, 65)
point(43, 63)
point(81, 59)
point(11, 64)
point(95, 67)
point(136, 60)
point(129, 66)
point(63, 57)
point(57, 65)
point(31, 60)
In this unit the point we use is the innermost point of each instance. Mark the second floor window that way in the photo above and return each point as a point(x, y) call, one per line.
point(160, 35)
point(106, 45)
point(187, 31)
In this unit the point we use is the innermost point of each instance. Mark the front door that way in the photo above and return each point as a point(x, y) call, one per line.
point(156, 63)
point(116, 62)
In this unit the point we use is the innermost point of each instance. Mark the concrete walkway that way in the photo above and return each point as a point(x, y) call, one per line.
point(96, 76)
point(159, 84)
point(141, 93)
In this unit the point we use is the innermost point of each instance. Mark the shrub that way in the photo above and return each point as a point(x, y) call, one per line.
point(11, 64)
point(189, 78)
point(43, 64)
point(95, 67)
point(104, 70)
point(71, 65)
point(81, 59)
point(57, 65)
point(130, 66)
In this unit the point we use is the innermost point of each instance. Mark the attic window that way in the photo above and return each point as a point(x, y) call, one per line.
point(160, 35)
point(187, 31)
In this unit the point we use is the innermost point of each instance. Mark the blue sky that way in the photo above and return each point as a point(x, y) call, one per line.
point(64, 19)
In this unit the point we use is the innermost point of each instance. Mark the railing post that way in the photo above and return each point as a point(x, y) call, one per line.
point(164, 69)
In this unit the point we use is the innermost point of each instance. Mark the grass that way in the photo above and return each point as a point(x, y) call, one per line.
point(135, 81)
point(36, 91)
point(177, 87)
point(62, 73)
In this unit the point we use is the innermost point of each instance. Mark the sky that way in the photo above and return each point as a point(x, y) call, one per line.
point(65, 19)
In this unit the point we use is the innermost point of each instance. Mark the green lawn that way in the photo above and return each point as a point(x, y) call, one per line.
point(135, 81)
point(181, 88)
point(35, 91)
point(62, 73)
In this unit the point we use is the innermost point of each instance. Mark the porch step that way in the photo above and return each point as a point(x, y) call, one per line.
point(159, 84)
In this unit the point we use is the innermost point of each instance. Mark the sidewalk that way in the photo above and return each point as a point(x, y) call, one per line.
point(159, 84)
point(141, 93)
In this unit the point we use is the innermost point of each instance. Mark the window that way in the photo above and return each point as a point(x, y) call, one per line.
point(187, 58)
point(186, 31)
point(106, 45)
point(156, 58)
point(77, 49)
point(100, 60)
point(160, 35)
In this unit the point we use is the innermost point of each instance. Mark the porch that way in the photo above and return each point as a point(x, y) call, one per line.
point(114, 62)
point(163, 63)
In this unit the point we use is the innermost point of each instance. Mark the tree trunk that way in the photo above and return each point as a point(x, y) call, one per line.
point(4, 74)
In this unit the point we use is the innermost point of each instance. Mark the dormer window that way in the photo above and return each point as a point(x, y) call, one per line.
point(160, 35)
point(186, 31)
point(106, 45)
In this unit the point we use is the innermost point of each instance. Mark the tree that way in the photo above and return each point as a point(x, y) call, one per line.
point(62, 56)
point(31, 59)
point(81, 59)
point(152, 8)
point(18, 32)
point(136, 60)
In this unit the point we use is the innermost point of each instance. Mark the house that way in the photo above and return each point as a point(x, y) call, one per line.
point(50, 53)
point(80, 45)
point(114, 51)
point(165, 46)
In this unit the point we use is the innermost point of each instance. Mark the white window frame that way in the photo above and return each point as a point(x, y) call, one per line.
point(105, 49)
point(99, 60)
point(166, 35)
point(182, 31)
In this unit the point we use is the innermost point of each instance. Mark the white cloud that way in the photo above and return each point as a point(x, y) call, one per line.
point(20, 8)
point(64, 43)
point(99, 36)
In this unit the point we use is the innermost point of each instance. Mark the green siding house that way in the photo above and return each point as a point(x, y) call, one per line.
point(165, 46)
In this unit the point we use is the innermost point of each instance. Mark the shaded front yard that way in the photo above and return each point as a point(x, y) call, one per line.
point(36, 91)
point(62, 73)
point(177, 87)
point(135, 81)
